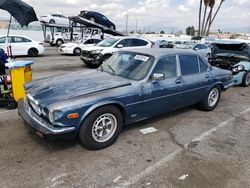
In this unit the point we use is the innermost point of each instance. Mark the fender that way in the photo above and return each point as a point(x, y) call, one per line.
point(95, 106)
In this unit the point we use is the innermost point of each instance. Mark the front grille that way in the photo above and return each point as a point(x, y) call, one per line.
point(85, 53)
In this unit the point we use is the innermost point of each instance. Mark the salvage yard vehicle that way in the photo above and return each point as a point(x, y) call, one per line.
point(22, 45)
point(97, 18)
point(233, 56)
point(94, 56)
point(131, 86)
point(76, 47)
point(203, 49)
point(55, 19)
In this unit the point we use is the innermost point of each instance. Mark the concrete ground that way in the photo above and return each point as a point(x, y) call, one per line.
point(190, 149)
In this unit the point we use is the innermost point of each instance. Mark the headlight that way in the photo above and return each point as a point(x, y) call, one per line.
point(55, 115)
point(96, 51)
point(238, 68)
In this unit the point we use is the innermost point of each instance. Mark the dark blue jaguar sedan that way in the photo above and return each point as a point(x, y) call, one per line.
point(129, 87)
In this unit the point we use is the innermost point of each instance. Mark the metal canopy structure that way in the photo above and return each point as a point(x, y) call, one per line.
point(88, 23)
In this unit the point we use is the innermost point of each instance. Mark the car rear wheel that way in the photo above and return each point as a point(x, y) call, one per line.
point(246, 79)
point(59, 42)
point(77, 51)
point(52, 22)
point(211, 99)
point(33, 52)
point(101, 128)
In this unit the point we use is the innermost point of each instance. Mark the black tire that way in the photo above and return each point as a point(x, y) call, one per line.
point(204, 103)
point(246, 79)
point(105, 58)
point(93, 65)
point(59, 42)
point(52, 21)
point(77, 51)
point(51, 44)
point(87, 133)
point(33, 52)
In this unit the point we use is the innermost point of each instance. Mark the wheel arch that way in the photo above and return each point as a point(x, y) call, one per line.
point(117, 104)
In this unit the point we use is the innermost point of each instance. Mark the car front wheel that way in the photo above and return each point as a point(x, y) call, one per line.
point(211, 99)
point(246, 79)
point(77, 51)
point(101, 128)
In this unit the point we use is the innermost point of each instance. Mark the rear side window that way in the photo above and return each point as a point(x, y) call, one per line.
point(125, 43)
point(203, 65)
point(138, 42)
point(189, 64)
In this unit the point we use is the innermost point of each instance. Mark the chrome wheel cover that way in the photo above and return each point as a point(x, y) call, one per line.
point(104, 127)
point(213, 97)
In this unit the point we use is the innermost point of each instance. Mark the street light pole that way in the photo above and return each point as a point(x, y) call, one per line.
point(126, 24)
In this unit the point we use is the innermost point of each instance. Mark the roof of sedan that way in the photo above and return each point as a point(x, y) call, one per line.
point(159, 52)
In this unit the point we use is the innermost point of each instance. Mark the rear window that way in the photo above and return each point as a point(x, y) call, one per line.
point(189, 64)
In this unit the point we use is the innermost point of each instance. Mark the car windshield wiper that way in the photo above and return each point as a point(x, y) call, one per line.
point(111, 69)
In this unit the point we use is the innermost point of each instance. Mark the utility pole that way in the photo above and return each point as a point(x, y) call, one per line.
point(136, 25)
point(126, 24)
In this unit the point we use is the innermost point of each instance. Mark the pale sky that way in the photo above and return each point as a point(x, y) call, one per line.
point(156, 14)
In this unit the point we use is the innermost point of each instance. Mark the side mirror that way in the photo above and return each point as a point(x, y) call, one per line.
point(196, 49)
point(158, 76)
point(119, 46)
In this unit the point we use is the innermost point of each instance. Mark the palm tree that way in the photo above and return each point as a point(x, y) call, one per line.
point(199, 28)
point(206, 3)
point(212, 19)
point(211, 4)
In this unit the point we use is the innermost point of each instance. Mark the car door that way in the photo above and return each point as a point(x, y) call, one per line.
point(194, 84)
point(19, 45)
point(3, 43)
point(163, 95)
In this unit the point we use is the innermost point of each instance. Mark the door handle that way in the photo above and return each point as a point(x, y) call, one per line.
point(178, 81)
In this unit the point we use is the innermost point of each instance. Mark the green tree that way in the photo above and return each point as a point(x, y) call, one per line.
point(162, 32)
point(190, 30)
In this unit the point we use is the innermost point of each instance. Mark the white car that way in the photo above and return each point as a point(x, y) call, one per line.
point(76, 48)
point(203, 50)
point(21, 45)
point(57, 19)
point(94, 56)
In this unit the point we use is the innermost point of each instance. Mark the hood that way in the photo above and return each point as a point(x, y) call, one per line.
point(91, 48)
point(77, 84)
point(231, 50)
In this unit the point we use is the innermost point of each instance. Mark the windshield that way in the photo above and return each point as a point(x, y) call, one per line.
point(129, 65)
point(108, 42)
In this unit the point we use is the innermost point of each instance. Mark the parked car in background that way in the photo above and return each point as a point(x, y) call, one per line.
point(22, 45)
point(97, 18)
point(94, 56)
point(132, 85)
point(233, 56)
point(203, 49)
point(57, 19)
point(182, 44)
point(76, 47)
point(166, 44)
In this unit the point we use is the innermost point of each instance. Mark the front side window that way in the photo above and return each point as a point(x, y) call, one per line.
point(167, 66)
point(125, 43)
point(189, 64)
point(108, 42)
point(129, 65)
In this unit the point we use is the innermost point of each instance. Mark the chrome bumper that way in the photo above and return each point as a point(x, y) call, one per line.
point(39, 124)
